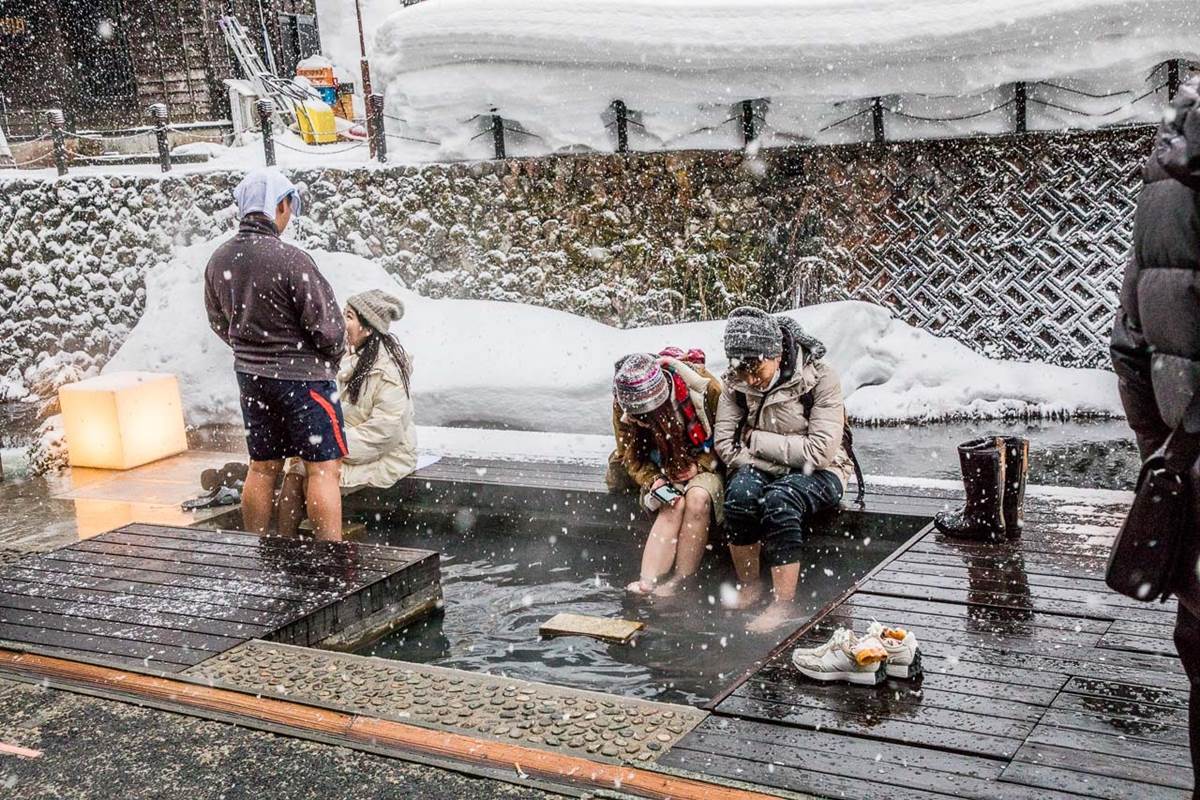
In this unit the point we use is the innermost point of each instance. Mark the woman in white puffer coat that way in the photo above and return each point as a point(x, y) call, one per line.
point(373, 380)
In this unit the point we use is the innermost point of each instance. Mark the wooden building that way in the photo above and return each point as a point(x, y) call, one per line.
point(105, 61)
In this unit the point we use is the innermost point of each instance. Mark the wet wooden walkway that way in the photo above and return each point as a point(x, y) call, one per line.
point(1039, 681)
point(169, 598)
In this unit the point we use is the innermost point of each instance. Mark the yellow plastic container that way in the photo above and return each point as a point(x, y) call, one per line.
point(315, 119)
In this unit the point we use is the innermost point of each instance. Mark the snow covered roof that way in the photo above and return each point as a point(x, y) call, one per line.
point(555, 66)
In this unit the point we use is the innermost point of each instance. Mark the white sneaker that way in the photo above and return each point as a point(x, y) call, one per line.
point(844, 657)
point(839, 636)
point(903, 652)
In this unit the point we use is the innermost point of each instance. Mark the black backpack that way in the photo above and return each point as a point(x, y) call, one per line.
point(807, 401)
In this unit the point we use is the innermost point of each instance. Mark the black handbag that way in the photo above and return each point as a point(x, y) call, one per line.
point(1147, 553)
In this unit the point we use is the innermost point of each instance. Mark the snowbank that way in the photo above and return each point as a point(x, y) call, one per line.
point(11, 390)
point(554, 67)
point(536, 446)
point(511, 365)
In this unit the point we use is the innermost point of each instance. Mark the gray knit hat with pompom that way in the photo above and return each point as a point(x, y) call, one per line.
point(752, 333)
point(377, 308)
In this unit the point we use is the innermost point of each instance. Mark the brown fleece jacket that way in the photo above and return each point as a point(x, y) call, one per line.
point(635, 443)
point(266, 299)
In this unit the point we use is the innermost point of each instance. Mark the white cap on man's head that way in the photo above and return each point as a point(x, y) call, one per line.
point(262, 190)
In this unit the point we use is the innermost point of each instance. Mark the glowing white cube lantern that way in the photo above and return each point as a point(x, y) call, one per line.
point(122, 420)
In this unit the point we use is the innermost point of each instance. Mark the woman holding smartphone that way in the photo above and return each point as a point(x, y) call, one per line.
point(664, 410)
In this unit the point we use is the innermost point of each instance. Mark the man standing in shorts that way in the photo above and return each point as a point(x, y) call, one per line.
point(266, 300)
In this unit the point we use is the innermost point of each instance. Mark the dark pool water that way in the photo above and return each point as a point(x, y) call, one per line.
point(501, 584)
point(1097, 454)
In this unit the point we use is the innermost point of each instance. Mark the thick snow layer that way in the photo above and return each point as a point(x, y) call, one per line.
point(12, 390)
point(554, 67)
point(500, 445)
point(509, 365)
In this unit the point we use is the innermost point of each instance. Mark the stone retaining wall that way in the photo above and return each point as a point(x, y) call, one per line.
point(1012, 244)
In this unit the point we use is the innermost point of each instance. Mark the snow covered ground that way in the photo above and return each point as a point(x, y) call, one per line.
point(554, 67)
point(290, 153)
point(508, 365)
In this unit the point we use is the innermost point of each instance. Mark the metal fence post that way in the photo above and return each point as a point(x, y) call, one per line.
point(265, 108)
point(621, 112)
point(749, 128)
point(498, 135)
point(877, 119)
point(1172, 78)
point(160, 115)
point(1021, 105)
point(376, 131)
point(58, 124)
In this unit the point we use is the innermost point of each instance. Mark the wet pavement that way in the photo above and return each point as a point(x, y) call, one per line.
point(101, 750)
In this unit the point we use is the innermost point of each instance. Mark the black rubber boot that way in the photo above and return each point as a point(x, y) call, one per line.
point(1016, 471)
point(210, 479)
point(982, 517)
point(232, 475)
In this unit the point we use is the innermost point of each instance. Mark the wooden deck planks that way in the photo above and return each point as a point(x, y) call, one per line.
point(173, 597)
point(1040, 682)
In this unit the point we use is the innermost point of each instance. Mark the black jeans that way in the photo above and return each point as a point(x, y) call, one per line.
point(1187, 642)
point(760, 507)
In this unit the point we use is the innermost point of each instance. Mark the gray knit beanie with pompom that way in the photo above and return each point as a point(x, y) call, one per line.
point(752, 333)
point(377, 308)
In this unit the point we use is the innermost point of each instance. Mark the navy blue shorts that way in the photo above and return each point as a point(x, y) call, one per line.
point(291, 418)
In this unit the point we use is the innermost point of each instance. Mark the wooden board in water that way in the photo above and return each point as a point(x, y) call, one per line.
point(608, 630)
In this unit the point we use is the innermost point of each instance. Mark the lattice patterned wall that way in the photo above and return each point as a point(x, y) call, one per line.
point(1014, 246)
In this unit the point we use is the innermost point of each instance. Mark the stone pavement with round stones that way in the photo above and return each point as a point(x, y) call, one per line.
point(597, 726)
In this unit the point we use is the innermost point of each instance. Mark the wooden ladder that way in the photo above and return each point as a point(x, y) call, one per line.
point(265, 82)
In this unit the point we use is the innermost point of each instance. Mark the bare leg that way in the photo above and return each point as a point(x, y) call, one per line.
point(659, 554)
point(693, 536)
point(746, 563)
point(783, 597)
point(258, 495)
point(291, 504)
point(323, 494)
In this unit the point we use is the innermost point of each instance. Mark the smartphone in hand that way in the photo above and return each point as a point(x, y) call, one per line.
point(667, 493)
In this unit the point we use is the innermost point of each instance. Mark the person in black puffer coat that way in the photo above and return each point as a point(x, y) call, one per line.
point(1156, 338)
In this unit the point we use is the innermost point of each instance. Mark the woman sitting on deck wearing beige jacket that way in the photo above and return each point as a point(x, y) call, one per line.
point(381, 436)
point(780, 431)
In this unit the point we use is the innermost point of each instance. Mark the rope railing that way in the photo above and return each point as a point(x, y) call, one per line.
point(506, 129)
point(844, 120)
point(323, 151)
point(47, 157)
point(957, 118)
point(412, 139)
point(39, 138)
point(189, 135)
point(1080, 92)
point(99, 137)
point(1109, 113)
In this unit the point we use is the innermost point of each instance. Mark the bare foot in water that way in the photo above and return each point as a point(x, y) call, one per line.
point(669, 588)
point(640, 587)
point(773, 616)
point(747, 596)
